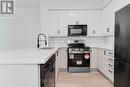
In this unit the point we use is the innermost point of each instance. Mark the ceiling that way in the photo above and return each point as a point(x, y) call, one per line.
point(36, 3)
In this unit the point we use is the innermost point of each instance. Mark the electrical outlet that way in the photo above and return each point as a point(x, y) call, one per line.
point(108, 29)
point(77, 22)
point(58, 31)
point(94, 32)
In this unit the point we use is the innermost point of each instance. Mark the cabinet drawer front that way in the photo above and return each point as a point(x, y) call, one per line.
point(110, 74)
point(110, 53)
point(110, 65)
point(111, 71)
point(110, 59)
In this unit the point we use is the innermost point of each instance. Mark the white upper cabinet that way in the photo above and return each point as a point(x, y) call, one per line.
point(93, 21)
point(56, 15)
point(59, 21)
point(64, 21)
point(53, 23)
point(102, 61)
point(108, 19)
point(94, 58)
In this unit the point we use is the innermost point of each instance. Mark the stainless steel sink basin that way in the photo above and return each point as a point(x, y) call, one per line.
point(47, 48)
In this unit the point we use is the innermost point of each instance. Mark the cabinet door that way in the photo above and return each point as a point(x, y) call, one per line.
point(57, 65)
point(108, 17)
point(25, 75)
point(101, 61)
point(94, 58)
point(92, 19)
point(63, 22)
point(109, 65)
point(53, 23)
point(63, 58)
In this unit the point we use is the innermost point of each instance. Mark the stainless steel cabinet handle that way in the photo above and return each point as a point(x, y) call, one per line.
point(57, 53)
point(42, 81)
point(104, 52)
point(110, 71)
point(110, 59)
point(110, 53)
point(110, 65)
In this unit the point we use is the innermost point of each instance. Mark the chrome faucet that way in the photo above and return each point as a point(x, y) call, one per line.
point(38, 45)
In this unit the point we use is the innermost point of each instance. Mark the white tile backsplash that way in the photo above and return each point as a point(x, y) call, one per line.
point(89, 41)
point(55, 41)
point(109, 41)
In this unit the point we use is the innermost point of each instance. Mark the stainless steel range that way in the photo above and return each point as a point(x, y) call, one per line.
point(78, 57)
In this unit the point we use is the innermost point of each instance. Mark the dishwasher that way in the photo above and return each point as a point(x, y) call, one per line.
point(47, 73)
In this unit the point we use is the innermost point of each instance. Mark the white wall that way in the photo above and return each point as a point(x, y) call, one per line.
point(20, 31)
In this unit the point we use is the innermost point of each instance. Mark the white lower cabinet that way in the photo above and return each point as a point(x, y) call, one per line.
point(101, 61)
point(57, 64)
point(61, 59)
point(94, 58)
point(19, 75)
point(110, 74)
point(110, 65)
point(100, 58)
point(106, 63)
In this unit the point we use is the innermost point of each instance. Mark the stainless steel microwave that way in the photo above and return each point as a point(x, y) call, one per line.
point(77, 30)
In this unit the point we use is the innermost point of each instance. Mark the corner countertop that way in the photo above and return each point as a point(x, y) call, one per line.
point(92, 46)
point(26, 56)
point(32, 55)
point(104, 47)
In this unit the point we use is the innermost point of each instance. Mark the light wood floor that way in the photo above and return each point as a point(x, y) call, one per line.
point(93, 79)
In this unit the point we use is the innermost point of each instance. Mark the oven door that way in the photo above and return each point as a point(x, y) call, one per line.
point(79, 63)
point(79, 60)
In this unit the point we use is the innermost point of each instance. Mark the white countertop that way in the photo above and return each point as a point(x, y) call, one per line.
point(26, 56)
point(104, 47)
point(33, 55)
point(98, 46)
point(93, 46)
